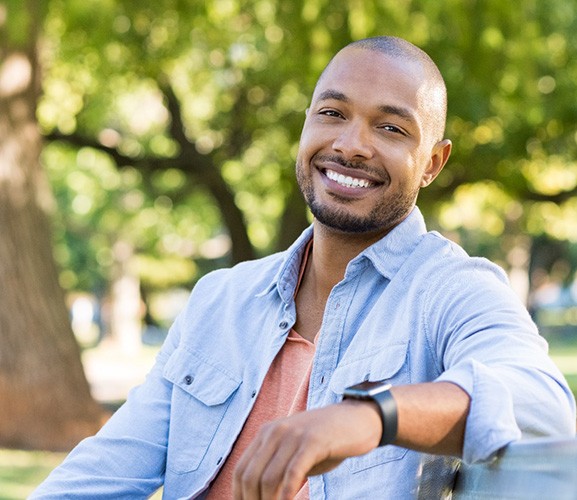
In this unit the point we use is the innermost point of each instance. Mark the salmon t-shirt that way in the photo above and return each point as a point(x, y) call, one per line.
point(284, 392)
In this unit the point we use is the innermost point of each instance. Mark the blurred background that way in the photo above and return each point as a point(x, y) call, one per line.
point(143, 144)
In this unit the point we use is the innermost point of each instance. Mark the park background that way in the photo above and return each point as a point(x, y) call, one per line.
point(143, 144)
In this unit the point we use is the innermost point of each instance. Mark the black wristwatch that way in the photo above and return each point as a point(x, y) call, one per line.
point(380, 393)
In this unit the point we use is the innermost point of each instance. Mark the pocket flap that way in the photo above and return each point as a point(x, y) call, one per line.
point(385, 364)
point(205, 381)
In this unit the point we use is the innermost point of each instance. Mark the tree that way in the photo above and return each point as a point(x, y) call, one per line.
point(46, 402)
point(235, 77)
point(173, 124)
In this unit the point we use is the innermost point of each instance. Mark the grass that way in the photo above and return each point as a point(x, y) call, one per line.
point(564, 354)
point(112, 374)
point(22, 471)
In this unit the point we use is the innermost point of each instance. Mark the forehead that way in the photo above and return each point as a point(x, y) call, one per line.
point(375, 77)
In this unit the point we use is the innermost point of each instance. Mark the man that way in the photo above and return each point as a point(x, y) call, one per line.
point(365, 294)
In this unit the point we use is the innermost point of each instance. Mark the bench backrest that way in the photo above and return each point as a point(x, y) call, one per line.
point(544, 468)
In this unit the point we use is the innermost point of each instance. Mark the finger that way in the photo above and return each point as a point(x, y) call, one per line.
point(253, 462)
point(299, 466)
point(274, 474)
point(242, 470)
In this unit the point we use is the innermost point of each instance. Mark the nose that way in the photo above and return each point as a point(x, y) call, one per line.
point(353, 142)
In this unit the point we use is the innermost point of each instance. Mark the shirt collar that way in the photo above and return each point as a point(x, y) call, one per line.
point(387, 255)
point(285, 280)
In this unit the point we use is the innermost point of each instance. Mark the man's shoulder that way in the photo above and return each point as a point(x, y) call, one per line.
point(231, 292)
point(448, 258)
point(260, 274)
point(257, 274)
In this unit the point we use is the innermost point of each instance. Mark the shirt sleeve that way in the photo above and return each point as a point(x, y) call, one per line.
point(127, 457)
point(490, 347)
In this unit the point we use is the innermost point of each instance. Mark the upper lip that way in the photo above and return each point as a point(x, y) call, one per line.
point(354, 172)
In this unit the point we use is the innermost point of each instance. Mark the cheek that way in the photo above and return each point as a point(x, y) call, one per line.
point(306, 152)
point(406, 173)
point(314, 137)
point(303, 149)
point(301, 162)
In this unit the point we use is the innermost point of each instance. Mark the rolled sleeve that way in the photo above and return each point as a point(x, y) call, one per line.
point(491, 423)
point(489, 346)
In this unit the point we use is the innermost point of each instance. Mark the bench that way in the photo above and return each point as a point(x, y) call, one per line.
point(543, 469)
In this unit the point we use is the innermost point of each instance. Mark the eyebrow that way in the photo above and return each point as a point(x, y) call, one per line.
point(326, 95)
point(399, 111)
point(388, 109)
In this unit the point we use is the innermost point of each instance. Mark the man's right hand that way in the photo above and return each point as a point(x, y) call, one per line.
point(285, 452)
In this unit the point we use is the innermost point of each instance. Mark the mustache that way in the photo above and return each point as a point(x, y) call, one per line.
point(339, 160)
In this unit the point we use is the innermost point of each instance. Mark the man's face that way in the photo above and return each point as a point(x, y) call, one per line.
point(367, 143)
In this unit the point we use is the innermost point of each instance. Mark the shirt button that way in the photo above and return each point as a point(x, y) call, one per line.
point(253, 394)
point(188, 379)
point(283, 324)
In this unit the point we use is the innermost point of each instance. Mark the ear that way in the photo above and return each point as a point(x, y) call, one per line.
point(439, 156)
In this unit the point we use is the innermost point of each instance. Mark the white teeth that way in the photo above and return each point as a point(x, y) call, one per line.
point(348, 181)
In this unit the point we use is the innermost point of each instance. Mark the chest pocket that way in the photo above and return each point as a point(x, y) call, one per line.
point(201, 395)
point(390, 363)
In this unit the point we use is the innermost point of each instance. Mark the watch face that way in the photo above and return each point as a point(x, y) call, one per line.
point(367, 388)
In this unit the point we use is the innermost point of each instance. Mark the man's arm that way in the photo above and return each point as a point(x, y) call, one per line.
point(431, 418)
point(127, 458)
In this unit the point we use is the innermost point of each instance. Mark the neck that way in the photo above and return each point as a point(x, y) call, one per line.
point(332, 251)
point(326, 266)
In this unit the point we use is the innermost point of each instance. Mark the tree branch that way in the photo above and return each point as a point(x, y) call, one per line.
point(142, 163)
point(209, 174)
point(176, 127)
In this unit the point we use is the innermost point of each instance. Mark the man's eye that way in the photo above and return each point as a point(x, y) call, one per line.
point(330, 112)
point(392, 128)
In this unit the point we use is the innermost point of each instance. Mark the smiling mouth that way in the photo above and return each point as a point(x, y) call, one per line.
point(348, 181)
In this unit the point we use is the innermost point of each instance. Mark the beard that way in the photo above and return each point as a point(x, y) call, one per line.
point(386, 214)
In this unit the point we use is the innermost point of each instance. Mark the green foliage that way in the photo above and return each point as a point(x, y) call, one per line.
point(19, 23)
point(242, 72)
point(100, 206)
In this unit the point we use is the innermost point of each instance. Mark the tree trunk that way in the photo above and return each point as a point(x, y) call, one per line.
point(45, 398)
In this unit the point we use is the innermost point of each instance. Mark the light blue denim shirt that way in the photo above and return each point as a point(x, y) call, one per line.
point(413, 307)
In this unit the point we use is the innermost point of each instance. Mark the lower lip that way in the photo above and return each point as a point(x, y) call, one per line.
point(349, 192)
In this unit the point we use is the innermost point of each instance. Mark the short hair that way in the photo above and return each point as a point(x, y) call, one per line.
point(402, 49)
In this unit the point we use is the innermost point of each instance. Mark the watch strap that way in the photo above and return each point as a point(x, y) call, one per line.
point(388, 412)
